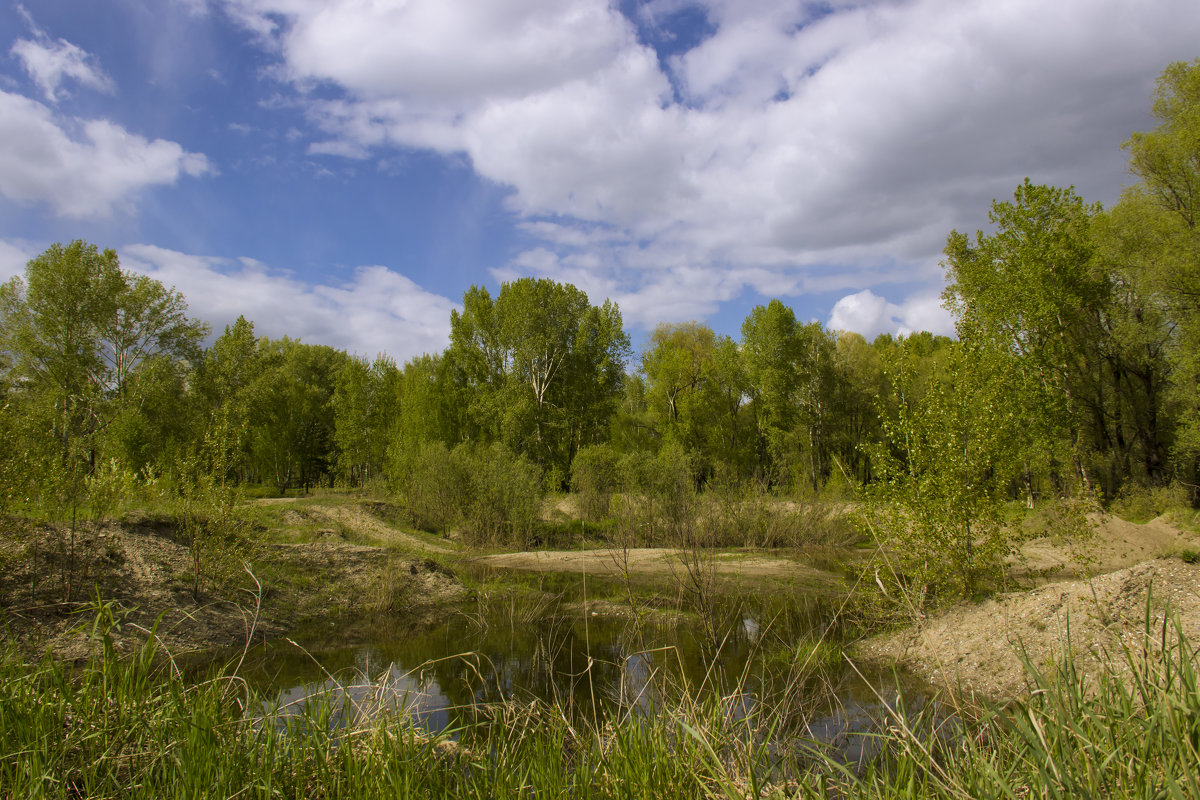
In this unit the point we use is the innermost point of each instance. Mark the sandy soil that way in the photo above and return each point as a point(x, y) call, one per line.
point(358, 520)
point(1117, 544)
point(975, 648)
point(653, 561)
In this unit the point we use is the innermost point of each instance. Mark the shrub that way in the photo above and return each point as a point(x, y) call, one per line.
point(1141, 504)
point(432, 481)
point(505, 495)
point(594, 477)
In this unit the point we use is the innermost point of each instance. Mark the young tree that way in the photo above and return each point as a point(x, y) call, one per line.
point(942, 469)
point(84, 341)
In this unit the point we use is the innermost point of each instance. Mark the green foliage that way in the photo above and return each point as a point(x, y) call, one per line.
point(791, 371)
point(291, 442)
point(937, 508)
point(88, 349)
point(208, 504)
point(432, 483)
point(490, 495)
point(594, 478)
point(366, 405)
point(1142, 504)
point(543, 368)
point(1158, 243)
point(505, 496)
point(83, 338)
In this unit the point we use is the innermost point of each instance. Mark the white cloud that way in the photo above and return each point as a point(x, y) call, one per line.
point(377, 311)
point(869, 314)
point(48, 63)
point(14, 255)
point(87, 175)
point(854, 135)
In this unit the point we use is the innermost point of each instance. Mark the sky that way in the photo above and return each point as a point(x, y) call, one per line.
point(341, 171)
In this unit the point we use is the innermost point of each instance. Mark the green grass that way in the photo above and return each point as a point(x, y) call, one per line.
point(129, 726)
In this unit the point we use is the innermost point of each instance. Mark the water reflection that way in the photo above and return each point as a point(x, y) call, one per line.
point(591, 665)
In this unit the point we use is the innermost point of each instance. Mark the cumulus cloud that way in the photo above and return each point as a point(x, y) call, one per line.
point(377, 311)
point(869, 314)
point(89, 174)
point(48, 63)
point(792, 137)
point(14, 255)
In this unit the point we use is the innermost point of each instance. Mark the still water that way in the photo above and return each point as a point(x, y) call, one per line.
point(558, 640)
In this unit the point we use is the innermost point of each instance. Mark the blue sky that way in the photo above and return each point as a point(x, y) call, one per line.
point(342, 170)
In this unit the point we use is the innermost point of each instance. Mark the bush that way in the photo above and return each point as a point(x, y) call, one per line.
point(594, 477)
point(432, 481)
point(1141, 504)
point(505, 495)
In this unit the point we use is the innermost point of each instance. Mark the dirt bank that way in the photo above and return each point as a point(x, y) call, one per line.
point(144, 566)
point(977, 647)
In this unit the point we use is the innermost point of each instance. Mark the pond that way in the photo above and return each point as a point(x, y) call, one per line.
point(583, 648)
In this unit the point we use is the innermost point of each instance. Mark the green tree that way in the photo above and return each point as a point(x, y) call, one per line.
point(594, 479)
point(942, 472)
point(1035, 288)
point(790, 369)
point(86, 343)
point(543, 369)
point(292, 438)
point(1157, 241)
point(771, 354)
point(366, 408)
point(856, 421)
point(434, 401)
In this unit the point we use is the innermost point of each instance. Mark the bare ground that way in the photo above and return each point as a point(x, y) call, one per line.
point(976, 649)
point(654, 561)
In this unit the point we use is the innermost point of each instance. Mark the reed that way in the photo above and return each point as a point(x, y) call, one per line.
point(130, 726)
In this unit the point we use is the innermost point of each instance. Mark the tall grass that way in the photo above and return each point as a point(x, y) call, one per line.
point(1129, 730)
point(129, 726)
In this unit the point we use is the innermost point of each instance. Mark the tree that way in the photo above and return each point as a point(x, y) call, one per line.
point(366, 407)
point(1034, 288)
point(678, 364)
point(771, 355)
point(790, 371)
point(85, 344)
point(230, 396)
point(292, 442)
point(942, 470)
point(543, 368)
point(1157, 240)
point(859, 384)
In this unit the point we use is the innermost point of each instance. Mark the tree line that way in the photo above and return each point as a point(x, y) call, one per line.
point(1075, 368)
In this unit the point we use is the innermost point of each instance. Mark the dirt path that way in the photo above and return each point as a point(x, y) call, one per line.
point(373, 528)
point(360, 522)
point(652, 562)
